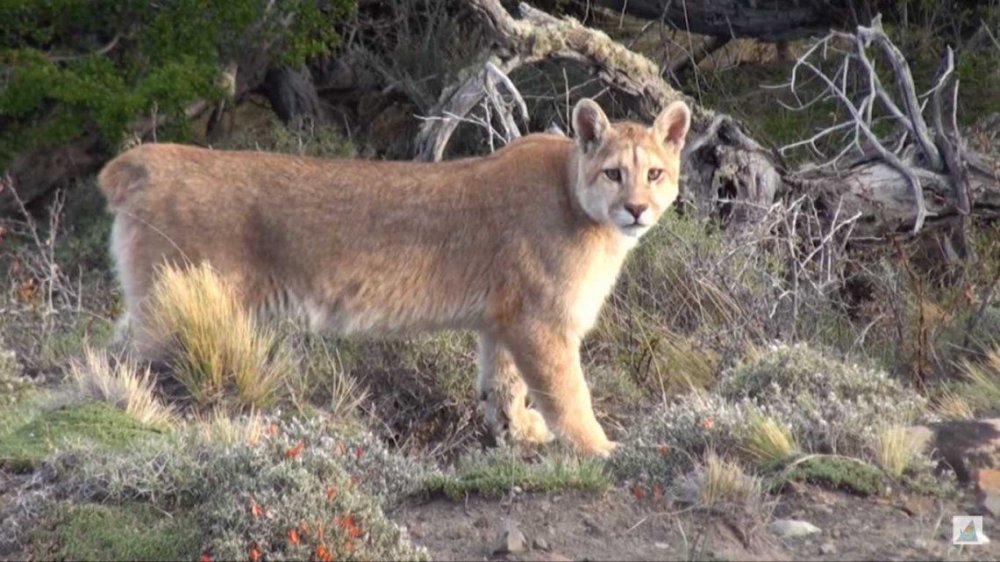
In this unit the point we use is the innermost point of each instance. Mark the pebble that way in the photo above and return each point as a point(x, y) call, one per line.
point(540, 544)
point(510, 541)
point(788, 528)
point(828, 548)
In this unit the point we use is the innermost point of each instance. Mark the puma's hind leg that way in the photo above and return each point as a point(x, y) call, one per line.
point(505, 396)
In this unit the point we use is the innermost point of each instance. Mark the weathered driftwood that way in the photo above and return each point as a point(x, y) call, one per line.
point(921, 173)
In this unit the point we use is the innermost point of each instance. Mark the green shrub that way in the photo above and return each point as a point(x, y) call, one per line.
point(74, 66)
point(674, 436)
point(328, 487)
point(831, 405)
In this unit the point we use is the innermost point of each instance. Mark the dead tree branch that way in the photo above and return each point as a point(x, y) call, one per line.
point(930, 161)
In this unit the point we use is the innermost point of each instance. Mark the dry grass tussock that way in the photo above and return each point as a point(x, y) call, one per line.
point(220, 427)
point(896, 449)
point(724, 482)
point(214, 346)
point(769, 442)
point(118, 381)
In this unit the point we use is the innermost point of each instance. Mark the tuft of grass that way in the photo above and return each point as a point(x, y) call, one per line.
point(951, 405)
point(497, 472)
point(896, 448)
point(325, 379)
point(724, 482)
point(216, 348)
point(220, 427)
point(121, 385)
point(768, 442)
point(131, 531)
point(980, 387)
point(94, 422)
point(838, 473)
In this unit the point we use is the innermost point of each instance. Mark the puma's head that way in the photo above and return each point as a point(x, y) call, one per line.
point(627, 173)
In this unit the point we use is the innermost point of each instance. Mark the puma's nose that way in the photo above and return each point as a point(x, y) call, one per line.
point(636, 210)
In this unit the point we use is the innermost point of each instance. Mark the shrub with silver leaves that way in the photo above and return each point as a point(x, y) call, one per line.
point(831, 405)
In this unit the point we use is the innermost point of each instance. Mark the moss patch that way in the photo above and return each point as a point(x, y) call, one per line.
point(849, 475)
point(31, 443)
point(497, 473)
point(117, 532)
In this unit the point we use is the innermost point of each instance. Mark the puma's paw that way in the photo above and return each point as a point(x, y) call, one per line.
point(529, 426)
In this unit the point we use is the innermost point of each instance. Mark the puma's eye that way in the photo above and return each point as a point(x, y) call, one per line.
point(654, 174)
point(613, 174)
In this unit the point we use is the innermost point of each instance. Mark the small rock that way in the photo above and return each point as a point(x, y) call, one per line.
point(661, 545)
point(827, 549)
point(517, 490)
point(591, 525)
point(540, 544)
point(510, 541)
point(788, 528)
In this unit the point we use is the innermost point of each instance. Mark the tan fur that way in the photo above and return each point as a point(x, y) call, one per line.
point(522, 246)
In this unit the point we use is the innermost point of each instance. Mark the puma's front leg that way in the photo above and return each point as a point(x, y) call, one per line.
point(505, 395)
point(549, 360)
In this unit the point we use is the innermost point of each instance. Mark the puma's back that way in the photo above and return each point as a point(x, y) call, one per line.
point(356, 245)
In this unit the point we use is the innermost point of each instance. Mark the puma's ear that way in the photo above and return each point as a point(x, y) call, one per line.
point(589, 123)
point(672, 124)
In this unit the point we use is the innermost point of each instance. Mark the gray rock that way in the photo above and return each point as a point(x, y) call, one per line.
point(828, 548)
point(540, 544)
point(788, 528)
point(510, 541)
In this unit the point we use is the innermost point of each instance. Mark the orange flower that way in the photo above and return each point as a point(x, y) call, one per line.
point(323, 554)
point(206, 556)
point(272, 429)
point(293, 536)
point(295, 451)
point(331, 493)
point(664, 450)
point(28, 289)
point(256, 509)
point(708, 423)
point(638, 492)
point(254, 553)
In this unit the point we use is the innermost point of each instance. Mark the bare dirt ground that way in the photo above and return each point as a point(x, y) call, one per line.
point(617, 526)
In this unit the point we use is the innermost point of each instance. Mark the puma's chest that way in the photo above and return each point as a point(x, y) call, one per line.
point(594, 281)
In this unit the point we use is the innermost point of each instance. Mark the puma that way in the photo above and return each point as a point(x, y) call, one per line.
point(523, 246)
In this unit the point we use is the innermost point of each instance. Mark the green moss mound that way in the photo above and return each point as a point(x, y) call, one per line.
point(130, 531)
point(28, 445)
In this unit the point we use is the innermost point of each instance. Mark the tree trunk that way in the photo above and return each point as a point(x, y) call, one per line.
point(292, 94)
point(768, 20)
